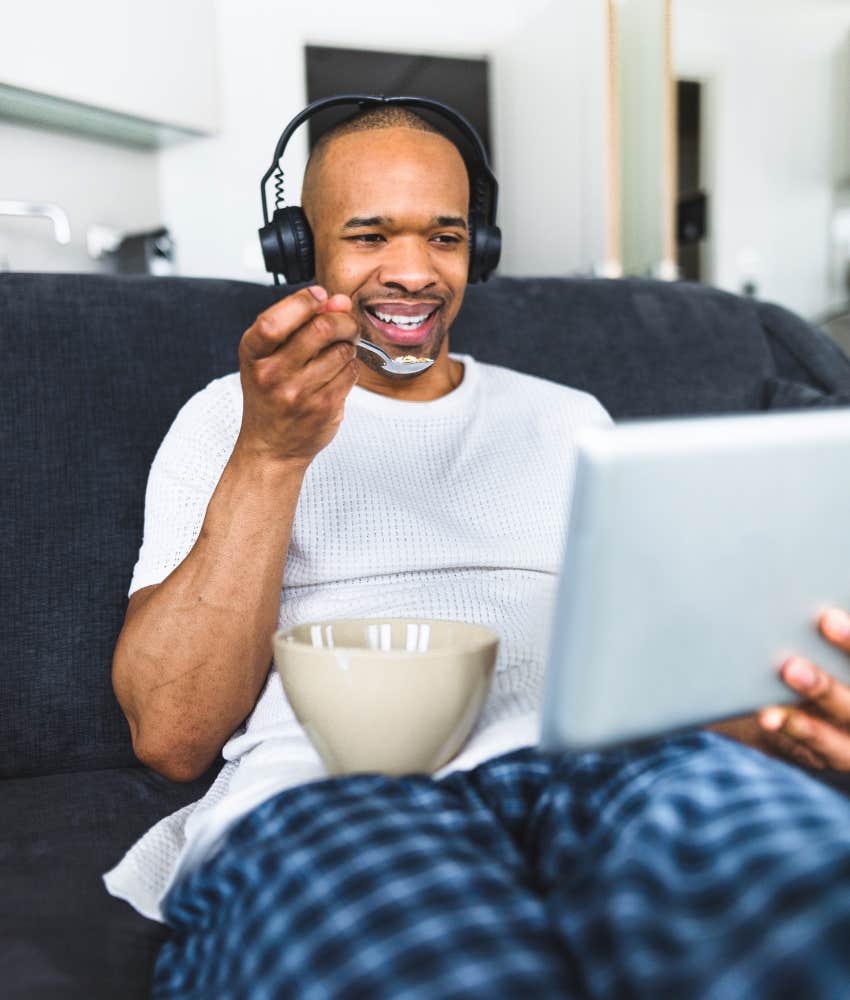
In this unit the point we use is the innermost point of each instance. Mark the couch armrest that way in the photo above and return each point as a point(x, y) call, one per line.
point(803, 354)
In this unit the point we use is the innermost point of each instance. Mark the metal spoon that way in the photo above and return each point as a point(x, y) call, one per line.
point(390, 365)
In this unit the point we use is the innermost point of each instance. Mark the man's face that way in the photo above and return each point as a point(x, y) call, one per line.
point(390, 230)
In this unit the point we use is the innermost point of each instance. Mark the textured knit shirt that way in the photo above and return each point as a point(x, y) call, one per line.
point(454, 508)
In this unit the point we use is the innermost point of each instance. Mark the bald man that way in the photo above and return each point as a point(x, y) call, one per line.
point(388, 210)
point(310, 485)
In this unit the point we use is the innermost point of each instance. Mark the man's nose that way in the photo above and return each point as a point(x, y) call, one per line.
point(408, 263)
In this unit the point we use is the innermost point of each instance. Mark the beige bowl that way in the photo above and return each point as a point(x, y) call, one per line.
point(395, 695)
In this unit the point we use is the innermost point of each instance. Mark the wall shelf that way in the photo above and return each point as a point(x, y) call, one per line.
point(46, 111)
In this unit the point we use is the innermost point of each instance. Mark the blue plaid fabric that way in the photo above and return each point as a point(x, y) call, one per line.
point(691, 867)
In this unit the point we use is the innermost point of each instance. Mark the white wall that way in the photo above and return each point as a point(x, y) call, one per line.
point(94, 182)
point(550, 114)
point(644, 120)
point(546, 80)
point(779, 93)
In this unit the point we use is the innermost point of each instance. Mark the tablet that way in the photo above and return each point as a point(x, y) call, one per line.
point(699, 554)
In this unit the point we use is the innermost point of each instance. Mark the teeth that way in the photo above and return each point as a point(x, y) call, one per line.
point(404, 322)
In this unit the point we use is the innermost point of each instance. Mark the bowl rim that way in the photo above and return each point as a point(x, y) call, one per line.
point(488, 637)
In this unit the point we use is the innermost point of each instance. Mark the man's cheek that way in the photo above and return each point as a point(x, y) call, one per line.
point(348, 276)
point(451, 310)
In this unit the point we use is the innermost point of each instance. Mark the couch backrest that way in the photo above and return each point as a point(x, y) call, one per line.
point(94, 369)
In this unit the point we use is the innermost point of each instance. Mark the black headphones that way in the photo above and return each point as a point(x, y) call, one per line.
point(288, 243)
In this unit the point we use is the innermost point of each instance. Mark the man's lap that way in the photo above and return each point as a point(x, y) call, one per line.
point(679, 865)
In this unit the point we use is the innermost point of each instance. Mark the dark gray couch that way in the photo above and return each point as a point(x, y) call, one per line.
point(93, 369)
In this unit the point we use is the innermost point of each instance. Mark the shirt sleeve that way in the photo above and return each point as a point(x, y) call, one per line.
point(184, 474)
point(597, 414)
point(588, 411)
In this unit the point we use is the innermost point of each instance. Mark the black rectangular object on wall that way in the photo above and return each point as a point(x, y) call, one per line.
point(460, 83)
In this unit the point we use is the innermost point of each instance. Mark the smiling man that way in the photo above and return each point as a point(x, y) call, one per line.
point(311, 485)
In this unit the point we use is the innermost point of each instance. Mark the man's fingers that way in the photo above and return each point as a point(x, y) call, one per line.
point(327, 365)
point(835, 625)
point(786, 747)
point(336, 303)
point(795, 731)
point(330, 327)
point(817, 686)
point(272, 327)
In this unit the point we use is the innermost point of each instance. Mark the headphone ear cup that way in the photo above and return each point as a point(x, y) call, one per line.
point(490, 240)
point(303, 254)
point(287, 243)
point(272, 250)
point(485, 248)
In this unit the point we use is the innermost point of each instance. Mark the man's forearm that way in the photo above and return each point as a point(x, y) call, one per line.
point(192, 659)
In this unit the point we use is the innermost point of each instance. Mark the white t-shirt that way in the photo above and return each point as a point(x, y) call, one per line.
point(454, 508)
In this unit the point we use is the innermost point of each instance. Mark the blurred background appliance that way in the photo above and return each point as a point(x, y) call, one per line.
point(150, 252)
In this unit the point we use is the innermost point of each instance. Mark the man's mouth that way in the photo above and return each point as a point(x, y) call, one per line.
point(403, 323)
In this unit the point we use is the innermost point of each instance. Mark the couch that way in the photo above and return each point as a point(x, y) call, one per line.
point(93, 370)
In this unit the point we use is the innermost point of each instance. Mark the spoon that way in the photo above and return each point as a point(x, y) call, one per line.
point(390, 365)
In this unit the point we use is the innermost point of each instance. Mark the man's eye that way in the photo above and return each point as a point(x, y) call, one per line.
point(370, 239)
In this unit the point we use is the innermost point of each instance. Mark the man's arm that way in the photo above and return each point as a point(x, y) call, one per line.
point(195, 650)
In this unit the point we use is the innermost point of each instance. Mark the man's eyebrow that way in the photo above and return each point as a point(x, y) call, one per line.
point(451, 220)
point(360, 222)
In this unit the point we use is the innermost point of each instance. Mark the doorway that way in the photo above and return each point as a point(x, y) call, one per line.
point(691, 196)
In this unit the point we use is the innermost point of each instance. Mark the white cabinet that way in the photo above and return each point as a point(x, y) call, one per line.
point(151, 63)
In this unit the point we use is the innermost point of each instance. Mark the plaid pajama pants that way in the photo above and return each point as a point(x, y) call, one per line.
point(692, 867)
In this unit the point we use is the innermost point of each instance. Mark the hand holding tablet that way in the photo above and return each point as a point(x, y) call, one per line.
point(817, 731)
point(700, 558)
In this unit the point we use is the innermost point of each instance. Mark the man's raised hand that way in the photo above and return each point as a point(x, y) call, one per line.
point(297, 364)
point(817, 731)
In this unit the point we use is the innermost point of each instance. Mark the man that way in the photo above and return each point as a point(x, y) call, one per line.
point(318, 487)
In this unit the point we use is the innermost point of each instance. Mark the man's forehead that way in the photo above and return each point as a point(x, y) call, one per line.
point(394, 138)
point(362, 163)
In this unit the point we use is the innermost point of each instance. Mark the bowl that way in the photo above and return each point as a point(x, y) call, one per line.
point(389, 695)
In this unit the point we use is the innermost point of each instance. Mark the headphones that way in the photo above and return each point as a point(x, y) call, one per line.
point(287, 241)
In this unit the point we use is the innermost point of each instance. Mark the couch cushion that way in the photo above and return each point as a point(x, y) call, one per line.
point(62, 935)
point(647, 348)
point(96, 367)
point(94, 371)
